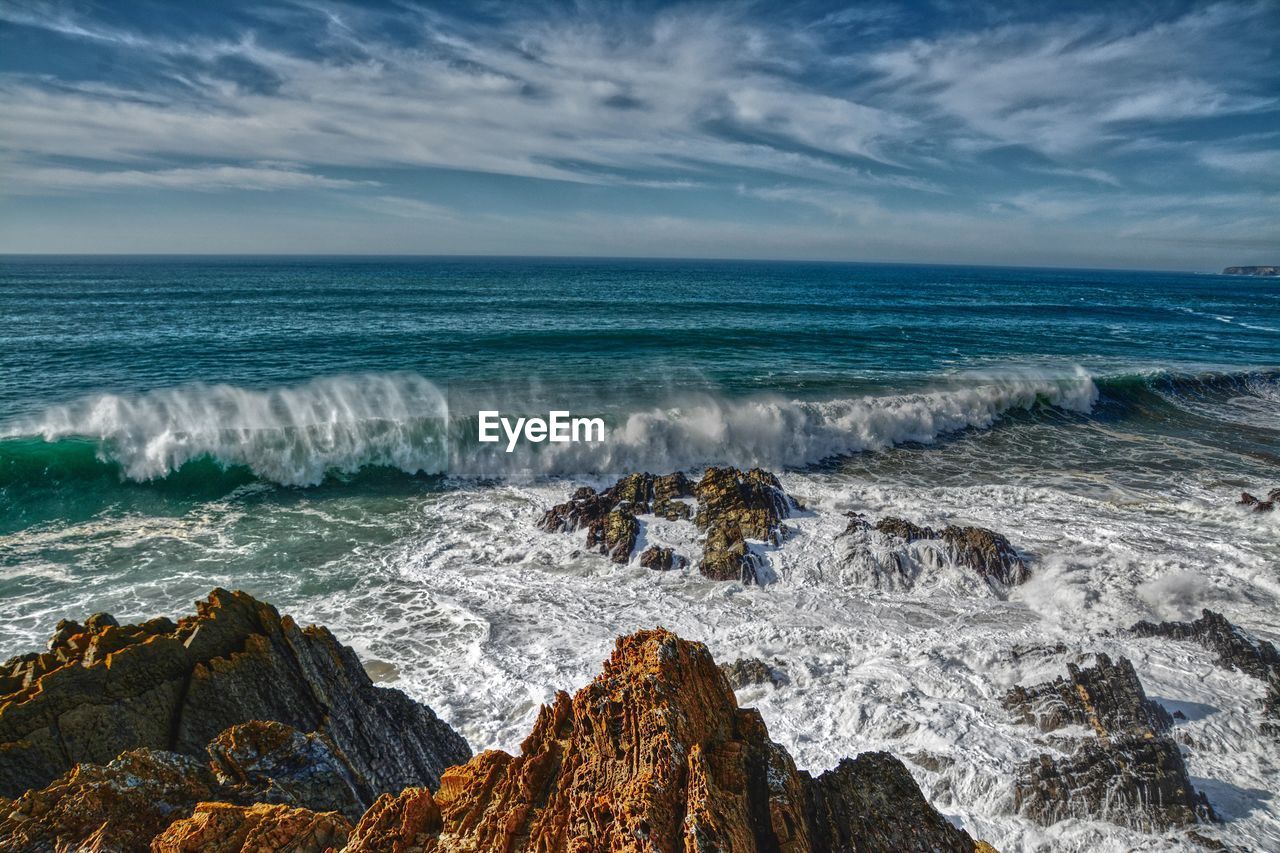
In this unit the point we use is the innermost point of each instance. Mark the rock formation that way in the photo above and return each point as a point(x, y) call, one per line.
point(1262, 271)
point(1130, 773)
point(733, 506)
point(102, 689)
point(747, 671)
point(225, 828)
point(1259, 505)
point(1235, 648)
point(893, 553)
point(656, 755)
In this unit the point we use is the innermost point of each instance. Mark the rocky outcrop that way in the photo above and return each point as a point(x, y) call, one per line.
point(1107, 698)
point(225, 828)
point(745, 672)
point(1131, 772)
point(1235, 649)
point(732, 507)
point(117, 806)
point(1259, 505)
point(894, 553)
point(656, 754)
point(1263, 271)
point(102, 689)
point(269, 762)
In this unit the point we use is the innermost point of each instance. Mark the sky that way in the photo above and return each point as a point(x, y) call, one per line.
point(1129, 135)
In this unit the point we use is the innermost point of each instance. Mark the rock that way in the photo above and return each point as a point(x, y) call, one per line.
point(661, 559)
point(175, 687)
point(655, 754)
point(1140, 783)
point(222, 828)
point(269, 762)
point(747, 671)
point(1262, 271)
point(117, 806)
point(225, 828)
point(1130, 773)
point(1107, 698)
point(733, 506)
point(1257, 505)
point(1235, 649)
point(894, 553)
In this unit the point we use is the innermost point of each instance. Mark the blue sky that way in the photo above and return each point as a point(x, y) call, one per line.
point(1118, 135)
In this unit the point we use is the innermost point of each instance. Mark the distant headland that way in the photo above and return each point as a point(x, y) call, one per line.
point(1252, 271)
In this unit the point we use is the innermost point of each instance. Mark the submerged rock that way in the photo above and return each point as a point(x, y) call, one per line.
point(1259, 505)
point(733, 506)
point(747, 671)
point(1235, 648)
point(171, 686)
point(655, 754)
point(1131, 773)
point(894, 553)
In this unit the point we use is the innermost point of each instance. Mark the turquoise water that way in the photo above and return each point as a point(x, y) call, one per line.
point(303, 429)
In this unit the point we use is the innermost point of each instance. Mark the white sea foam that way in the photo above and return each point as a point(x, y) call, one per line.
point(297, 435)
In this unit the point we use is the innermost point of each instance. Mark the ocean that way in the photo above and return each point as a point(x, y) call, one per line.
point(304, 429)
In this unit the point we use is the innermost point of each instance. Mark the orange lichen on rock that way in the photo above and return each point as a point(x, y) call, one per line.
point(225, 828)
point(654, 754)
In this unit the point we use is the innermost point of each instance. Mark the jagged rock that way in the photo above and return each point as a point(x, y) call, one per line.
point(1135, 782)
point(225, 828)
point(860, 806)
point(747, 671)
point(1260, 505)
point(118, 806)
point(733, 506)
point(1130, 773)
point(269, 762)
point(893, 552)
point(661, 559)
point(1235, 649)
point(654, 754)
point(177, 686)
point(1107, 698)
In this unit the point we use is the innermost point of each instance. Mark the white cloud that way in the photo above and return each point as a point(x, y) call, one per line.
point(200, 178)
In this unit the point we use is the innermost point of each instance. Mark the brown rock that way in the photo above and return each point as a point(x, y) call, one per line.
point(118, 806)
point(747, 671)
point(661, 559)
point(986, 553)
point(1131, 773)
point(654, 754)
point(734, 506)
point(177, 686)
point(224, 828)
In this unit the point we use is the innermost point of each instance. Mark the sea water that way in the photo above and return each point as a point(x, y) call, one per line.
point(304, 429)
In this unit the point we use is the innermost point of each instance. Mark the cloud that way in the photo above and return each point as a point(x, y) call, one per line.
point(201, 178)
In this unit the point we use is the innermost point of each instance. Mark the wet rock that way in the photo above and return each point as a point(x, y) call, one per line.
point(177, 686)
point(1130, 773)
point(747, 671)
point(269, 762)
point(1258, 505)
point(661, 559)
point(1135, 782)
point(1107, 698)
point(117, 806)
point(1234, 648)
point(894, 553)
point(733, 507)
point(655, 754)
point(225, 828)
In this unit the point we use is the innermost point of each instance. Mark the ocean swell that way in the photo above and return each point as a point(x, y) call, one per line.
point(300, 434)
